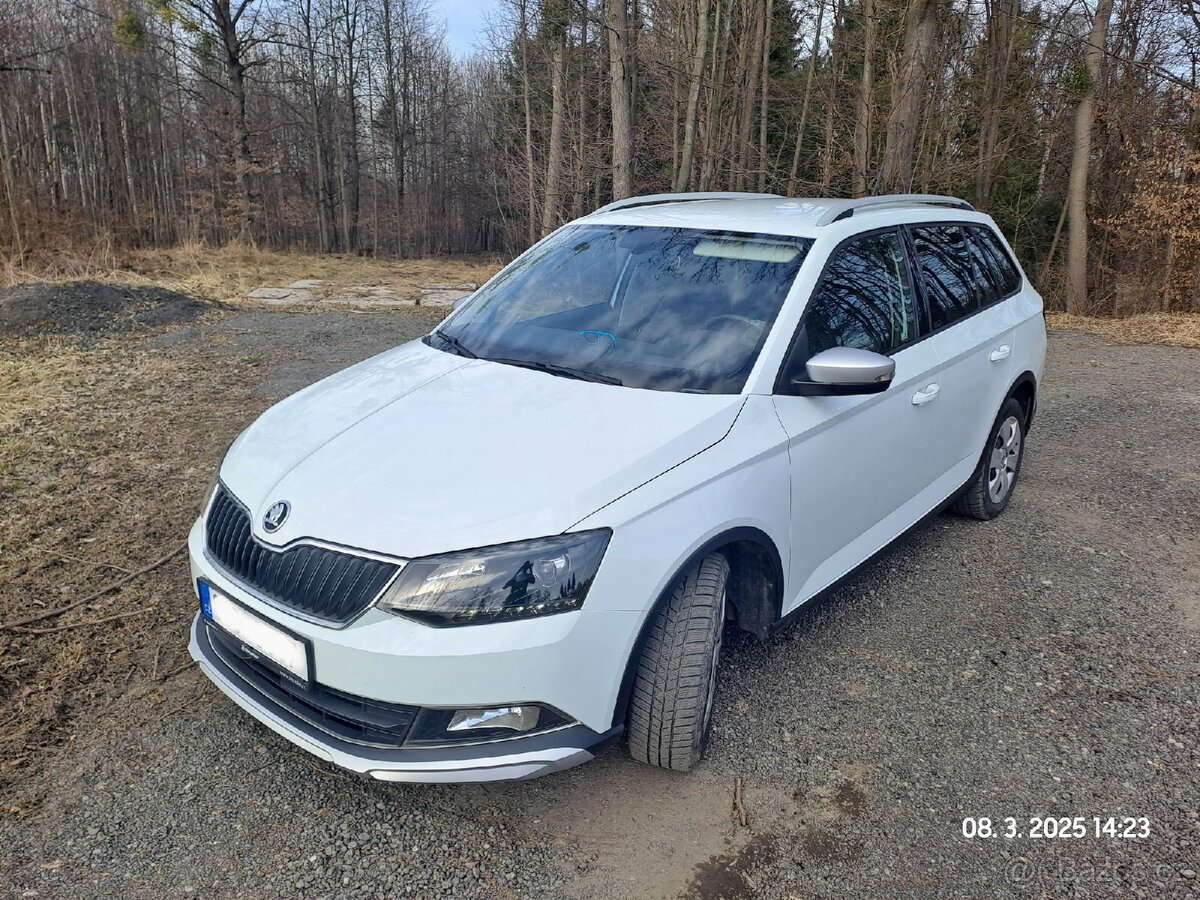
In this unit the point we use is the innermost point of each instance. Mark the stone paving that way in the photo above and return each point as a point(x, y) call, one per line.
point(319, 292)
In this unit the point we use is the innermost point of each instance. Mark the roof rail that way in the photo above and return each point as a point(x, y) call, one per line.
point(656, 199)
point(844, 209)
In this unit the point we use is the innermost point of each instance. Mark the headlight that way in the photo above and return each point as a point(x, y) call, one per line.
point(495, 584)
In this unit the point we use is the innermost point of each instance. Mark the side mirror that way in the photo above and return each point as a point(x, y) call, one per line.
point(842, 371)
point(455, 306)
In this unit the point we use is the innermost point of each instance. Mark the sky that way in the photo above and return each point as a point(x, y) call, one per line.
point(464, 22)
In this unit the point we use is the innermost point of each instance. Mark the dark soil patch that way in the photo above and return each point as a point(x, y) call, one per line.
point(729, 877)
point(89, 308)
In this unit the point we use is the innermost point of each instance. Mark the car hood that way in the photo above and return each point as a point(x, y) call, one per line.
point(417, 451)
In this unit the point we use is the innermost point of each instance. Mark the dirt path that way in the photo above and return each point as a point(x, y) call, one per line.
point(1044, 664)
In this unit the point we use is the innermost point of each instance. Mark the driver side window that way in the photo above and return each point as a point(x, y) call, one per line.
point(864, 299)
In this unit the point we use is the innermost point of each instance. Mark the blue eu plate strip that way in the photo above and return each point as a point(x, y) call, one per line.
point(205, 600)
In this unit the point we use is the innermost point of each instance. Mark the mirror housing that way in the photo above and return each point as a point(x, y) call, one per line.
point(456, 305)
point(844, 371)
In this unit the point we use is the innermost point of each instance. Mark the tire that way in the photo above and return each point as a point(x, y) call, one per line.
point(670, 707)
point(991, 486)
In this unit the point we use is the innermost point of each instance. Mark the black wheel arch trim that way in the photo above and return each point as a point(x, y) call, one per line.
point(1026, 378)
point(745, 619)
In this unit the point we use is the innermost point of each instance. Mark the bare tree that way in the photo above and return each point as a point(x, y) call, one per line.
point(810, 70)
point(1077, 188)
point(348, 125)
point(225, 20)
point(865, 108)
point(897, 173)
point(556, 21)
point(621, 80)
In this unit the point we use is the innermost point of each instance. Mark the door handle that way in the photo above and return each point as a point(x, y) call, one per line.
point(1001, 353)
point(920, 398)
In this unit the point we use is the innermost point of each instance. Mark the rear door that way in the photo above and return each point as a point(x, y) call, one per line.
point(861, 466)
point(973, 333)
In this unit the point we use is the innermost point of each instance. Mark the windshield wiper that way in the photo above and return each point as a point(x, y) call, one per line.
point(459, 347)
point(556, 369)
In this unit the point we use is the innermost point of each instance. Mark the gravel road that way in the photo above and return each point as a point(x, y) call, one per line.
point(1041, 665)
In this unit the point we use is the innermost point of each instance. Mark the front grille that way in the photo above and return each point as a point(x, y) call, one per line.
point(352, 718)
point(319, 582)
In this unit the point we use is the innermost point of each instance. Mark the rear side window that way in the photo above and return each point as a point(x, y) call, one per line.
point(951, 282)
point(1000, 266)
point(864, 299)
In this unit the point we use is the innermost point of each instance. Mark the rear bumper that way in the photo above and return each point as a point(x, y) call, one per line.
point(518, 758)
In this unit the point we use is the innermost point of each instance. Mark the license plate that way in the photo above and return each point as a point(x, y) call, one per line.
point(256, 637)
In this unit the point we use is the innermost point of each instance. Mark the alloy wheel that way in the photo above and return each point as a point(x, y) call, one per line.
point(1004, 460)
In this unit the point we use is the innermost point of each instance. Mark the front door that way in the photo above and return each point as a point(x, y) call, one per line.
point(862, 467)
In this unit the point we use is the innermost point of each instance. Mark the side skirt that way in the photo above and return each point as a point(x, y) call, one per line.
point(810, 603)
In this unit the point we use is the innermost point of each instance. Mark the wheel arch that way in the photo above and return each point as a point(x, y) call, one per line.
point(754, 593)
point(1024, 391)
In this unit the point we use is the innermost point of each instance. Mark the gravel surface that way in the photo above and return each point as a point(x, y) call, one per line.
point(1041, 665)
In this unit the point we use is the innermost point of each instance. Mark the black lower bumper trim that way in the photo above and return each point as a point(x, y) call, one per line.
point(357, 719)
point(577, 735)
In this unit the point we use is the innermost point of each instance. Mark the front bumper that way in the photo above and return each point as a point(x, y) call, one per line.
point(574, 662)
point(514, 759)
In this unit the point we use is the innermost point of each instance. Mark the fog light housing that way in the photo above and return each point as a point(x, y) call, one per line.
point(518, 718)
point(471, 725)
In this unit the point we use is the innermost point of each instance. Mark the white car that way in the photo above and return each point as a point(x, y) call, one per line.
point(488, 553)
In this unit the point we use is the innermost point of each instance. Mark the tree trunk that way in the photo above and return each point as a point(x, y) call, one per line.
point(808, 83)
point(902, 121)
point(235, 68)
point(693, 104)
point(1085, 113)
point(320, 176)
point(581, 130)
point(554, 151)
point(127, 158)
point(836, 63)
point(716, 95)
point(765, 82)
point(1000, 33)
point(747, 100)
point(531, 232)
point(865, 105)
point(622, 99)
point(397, 137)
point(351, 199)
point(7, 169)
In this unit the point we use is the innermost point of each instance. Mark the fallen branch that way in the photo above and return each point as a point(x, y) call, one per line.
point(90, 562)
point(176, 670)
point(157, 682)
point(51, 613)
point(742, 818)
point(70, 625)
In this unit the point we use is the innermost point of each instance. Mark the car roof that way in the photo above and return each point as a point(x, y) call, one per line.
point(772, 214)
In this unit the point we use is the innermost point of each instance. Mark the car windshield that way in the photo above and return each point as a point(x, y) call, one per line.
point(671, 309)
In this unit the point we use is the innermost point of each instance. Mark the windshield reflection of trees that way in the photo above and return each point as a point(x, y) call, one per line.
point(681, 320)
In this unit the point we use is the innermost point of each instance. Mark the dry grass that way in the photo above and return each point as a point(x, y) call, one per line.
point(95, 444)
point(1175, 329)
point(35, 375)
point(53, 256)
point(35, 378)
point(106, 446)
point(229, 273)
